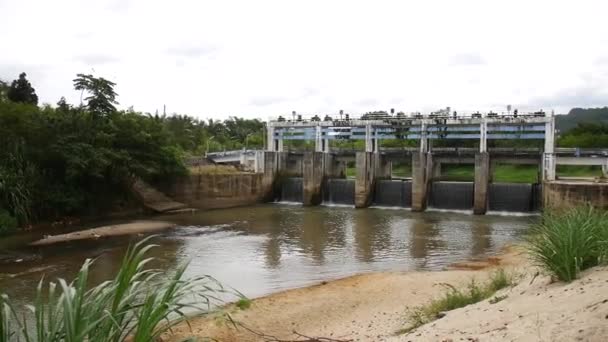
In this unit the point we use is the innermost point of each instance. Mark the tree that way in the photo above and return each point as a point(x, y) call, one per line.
point(63, 105)
point(102, 97)
point(22, 91)
point(3, 90)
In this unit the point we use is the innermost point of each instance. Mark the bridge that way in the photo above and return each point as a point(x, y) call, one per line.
point(320, 170)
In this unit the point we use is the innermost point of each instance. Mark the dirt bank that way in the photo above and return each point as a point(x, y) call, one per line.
point(135, 227)
point(369, 307)
point(534, 310)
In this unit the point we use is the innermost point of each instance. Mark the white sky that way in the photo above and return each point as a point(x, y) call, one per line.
point(249, 58)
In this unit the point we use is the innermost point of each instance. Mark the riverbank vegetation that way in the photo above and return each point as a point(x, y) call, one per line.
point(73, 160)
point(139, 304)
point(455, 298)
point(564, 244)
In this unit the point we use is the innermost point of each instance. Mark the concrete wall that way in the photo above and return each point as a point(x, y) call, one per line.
point(420, 180)
point(220, 191)
point(314, 172)
point(560, 195)
point(482, 180)
point(365, 178)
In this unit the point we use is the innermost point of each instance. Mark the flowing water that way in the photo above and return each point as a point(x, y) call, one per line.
point(292, 189)
point(267, 248)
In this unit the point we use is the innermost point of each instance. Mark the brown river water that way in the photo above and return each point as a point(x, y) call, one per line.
point(267, 248)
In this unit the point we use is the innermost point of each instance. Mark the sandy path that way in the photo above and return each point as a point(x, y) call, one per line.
point(369, 307)
point(135, 227)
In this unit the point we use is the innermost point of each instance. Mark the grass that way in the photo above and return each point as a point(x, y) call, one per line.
point(243, 303)
point(138, 305)
point(578, 171)
point(455, 298)
point(566, 243)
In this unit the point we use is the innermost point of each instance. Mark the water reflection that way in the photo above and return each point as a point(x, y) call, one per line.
point(266, 248)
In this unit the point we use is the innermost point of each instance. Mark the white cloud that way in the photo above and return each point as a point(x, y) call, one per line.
point(264, 58)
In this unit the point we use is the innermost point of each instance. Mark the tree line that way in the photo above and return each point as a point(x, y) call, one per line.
point(77, 159)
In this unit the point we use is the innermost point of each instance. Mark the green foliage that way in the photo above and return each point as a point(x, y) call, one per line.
point(243, 303)
point(63, 161)
point(102, 97)
point(16, 173)
point(565, 123)
point(8, 223)
point(586, 135)
point(566, 243)
point(22, 91)
point(455, 298)
point(3, 91)
point(138, 305)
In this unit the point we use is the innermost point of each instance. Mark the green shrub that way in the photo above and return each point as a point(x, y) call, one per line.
point(566, 243)
point(8, 223)
point(455, 298)
point(138, 305)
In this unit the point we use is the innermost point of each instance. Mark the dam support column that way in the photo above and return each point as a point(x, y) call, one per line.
point(421, 162)
point(436, 174)
point(271, 167)
point(384, 168)
point(314, 171)
point(365, 177)
point(333, 168)
point(482, 180)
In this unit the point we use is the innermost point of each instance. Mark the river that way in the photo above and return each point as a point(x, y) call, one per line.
point(267, 248)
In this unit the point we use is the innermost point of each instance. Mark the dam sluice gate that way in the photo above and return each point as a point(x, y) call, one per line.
point(319, 176)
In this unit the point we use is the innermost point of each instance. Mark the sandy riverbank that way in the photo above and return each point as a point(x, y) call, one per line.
point(368, 307)
point(136, 227)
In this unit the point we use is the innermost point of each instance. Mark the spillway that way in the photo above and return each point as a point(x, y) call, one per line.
point(514, 197)
point(393, 193)
point(292, 189)
point(452, 195)
point(340, 191)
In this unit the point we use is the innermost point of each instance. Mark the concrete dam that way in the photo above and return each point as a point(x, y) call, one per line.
point(319, 176)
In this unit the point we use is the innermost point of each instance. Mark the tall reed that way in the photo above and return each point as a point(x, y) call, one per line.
point(565, 243)
point(138, 305)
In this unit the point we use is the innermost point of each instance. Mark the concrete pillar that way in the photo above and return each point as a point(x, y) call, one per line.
point(270, 177)
point(419, 180)
point(483, 136)
point(369, 140)
point(549, 163)
point(384, 168)
point(270, 141)
point(365, 178)
point(313, 178)
point(318, 139)
point(482, 179)
point(280, 144)
point(332, 167)
point(281, 162)
point(436, 173)
point(424, 141)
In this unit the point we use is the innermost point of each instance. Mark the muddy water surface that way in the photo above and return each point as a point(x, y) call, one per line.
point(267, 248)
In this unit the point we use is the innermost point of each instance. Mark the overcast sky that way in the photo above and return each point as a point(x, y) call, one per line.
point(258, 58)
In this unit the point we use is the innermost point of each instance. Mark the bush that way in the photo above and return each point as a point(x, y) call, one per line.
point(138, 305)
point(566, 243)
point(455, 298)
point(8, 223)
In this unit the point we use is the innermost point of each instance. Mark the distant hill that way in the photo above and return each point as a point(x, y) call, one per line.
point(566, 122)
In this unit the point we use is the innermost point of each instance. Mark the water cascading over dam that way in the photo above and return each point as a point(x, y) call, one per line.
point(292, 189)
point(393, 193)
point(340, 191)
point(452, 195)
point(514, 197)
